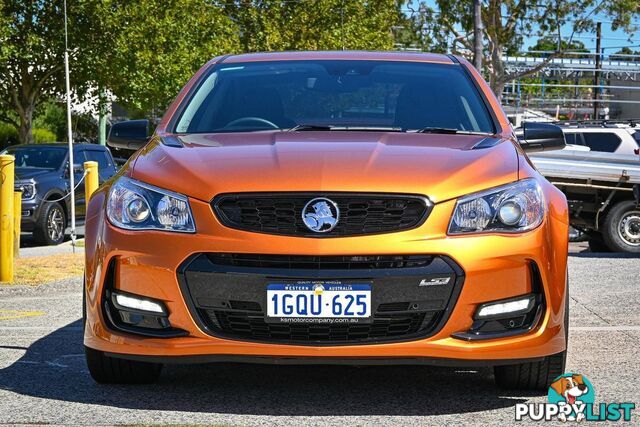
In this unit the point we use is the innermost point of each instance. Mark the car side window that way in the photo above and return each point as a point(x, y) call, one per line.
point(571, 138)
point(105, 165)
point(602, 141)
point(79, 157)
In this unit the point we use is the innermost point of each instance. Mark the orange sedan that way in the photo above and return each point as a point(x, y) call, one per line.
point(329, 208)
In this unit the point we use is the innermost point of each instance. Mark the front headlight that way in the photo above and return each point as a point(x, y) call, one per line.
point(512, 208)
point(28, 190)
point(134, 205)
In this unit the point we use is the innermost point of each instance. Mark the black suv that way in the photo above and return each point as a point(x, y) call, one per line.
point(42, 173)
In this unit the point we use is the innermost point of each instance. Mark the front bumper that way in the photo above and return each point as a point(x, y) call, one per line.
point(494, 267)
point(30, 214)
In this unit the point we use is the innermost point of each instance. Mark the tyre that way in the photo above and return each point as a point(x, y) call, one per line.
point(535, 376)
point(50, 227)
point(621, 227)
point(111, 370)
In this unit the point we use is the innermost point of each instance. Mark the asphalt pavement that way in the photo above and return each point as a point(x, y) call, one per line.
point(30, 248)
point(44, 379)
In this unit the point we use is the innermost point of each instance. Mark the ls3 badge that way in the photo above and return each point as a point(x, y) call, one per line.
point(438, 281)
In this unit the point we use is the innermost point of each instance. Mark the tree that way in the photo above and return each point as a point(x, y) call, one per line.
point(415, 30)
point(568, 49)
point(621, 55)
point(142, 51)
point(157, 45)
point(276, 25)
point(31, 65)
point(507, 22)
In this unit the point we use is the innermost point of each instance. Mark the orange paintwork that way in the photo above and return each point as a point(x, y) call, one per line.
point(443, 167)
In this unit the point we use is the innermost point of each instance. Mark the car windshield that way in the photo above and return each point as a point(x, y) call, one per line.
point(328, 95)
point(38, 157)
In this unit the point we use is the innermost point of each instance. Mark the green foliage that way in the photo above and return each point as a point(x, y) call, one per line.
point(621, 55)
point(52, 116)
point(550, 44)
point(143, 52)
point(415, 31)
point(31, 66)
point(155, 46)
point(8, 135)
point(85, 128)
point(4, 32)
point(277, 25)
point(42, 136)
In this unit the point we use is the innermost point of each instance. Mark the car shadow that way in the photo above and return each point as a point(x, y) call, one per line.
point(610, 255)
point(53, 368)
point(27, 240)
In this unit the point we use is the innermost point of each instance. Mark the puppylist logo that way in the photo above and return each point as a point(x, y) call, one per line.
point(572, 398)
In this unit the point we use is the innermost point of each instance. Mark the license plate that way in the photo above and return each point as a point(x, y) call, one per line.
point(317, 301)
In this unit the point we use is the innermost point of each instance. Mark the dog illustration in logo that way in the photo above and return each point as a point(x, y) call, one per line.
point(570, 388)
point(321, 219)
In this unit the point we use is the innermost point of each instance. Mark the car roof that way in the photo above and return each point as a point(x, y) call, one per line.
point(594, 129)
point(340, 55)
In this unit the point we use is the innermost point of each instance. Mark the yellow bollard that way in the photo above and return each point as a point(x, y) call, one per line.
point(17, 218)
point(90, 180)
point(7, 164)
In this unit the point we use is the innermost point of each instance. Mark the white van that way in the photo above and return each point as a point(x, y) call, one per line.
point(621, 139)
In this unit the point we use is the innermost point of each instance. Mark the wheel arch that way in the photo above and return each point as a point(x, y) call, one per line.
point(56, 194)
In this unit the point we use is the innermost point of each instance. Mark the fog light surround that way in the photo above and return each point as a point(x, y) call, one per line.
point(505, 308)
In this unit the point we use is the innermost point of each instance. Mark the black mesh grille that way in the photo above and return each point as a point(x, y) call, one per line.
point(367, 262)
point(281, 213)
point(227, 295)
point(252, 325)
point(394, 306)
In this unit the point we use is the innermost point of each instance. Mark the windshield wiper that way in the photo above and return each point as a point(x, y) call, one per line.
point(312, 127)
point(451, 131)
point(437, 130)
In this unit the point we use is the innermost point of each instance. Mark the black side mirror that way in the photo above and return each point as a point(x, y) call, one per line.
point(542, 137)
point(130, 135)
point(77, 169)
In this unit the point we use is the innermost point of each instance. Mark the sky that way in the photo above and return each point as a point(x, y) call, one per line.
point(612, 41)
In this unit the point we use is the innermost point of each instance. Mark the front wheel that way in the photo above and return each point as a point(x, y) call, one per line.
point(621, 228)
point(112, 370)
point(535, 376)
point(49, 229)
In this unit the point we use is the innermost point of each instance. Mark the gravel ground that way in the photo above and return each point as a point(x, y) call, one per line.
point(43, 377)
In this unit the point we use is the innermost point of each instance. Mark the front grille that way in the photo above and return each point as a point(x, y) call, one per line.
point(394, 306)
point(366, 262)
point(226, 294)
point(252, 325)
point(281, 213)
